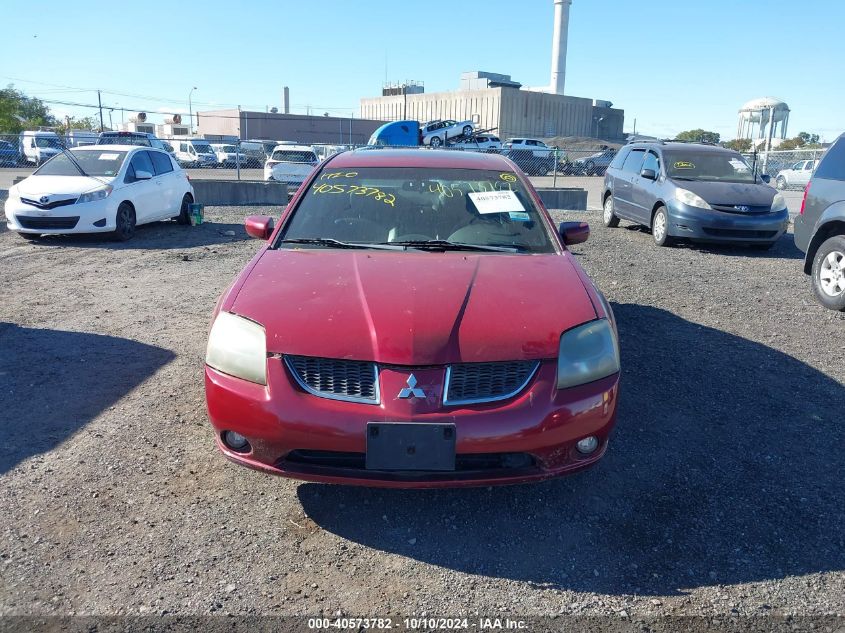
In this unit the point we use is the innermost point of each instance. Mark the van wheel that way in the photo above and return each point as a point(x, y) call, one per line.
point(124, 222)
point(829, 273)
point(184, 216)
point(610, 219)
point(660, 227)
point(781, 183)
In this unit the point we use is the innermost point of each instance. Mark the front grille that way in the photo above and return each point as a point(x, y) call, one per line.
point(752, 210)
point(30, 222)
point(351, 380)
point(49, 205)
point(464, 462)
point(741, 233)
point(469, 383)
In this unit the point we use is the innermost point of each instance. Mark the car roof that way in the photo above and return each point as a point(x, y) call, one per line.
point(373, 157)
point(116, 148)
point(707, 147)
point(294, 148)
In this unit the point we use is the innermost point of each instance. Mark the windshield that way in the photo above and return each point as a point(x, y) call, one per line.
point(95, 163)
point(229, 148)
point(394, 205)
point(709, 166)
point(47, 141)
point(116, 139)
point(290, 156)
point(203, 148)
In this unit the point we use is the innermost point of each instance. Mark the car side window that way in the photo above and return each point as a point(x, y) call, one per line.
point(832, 165)
point(140, 162)
point(651, 162)
point(620, 157)
point(634, 161)
point(161, 162)
point(809, 165)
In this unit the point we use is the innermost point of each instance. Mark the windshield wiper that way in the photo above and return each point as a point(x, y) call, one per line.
point(446, 245)
point(327, 241)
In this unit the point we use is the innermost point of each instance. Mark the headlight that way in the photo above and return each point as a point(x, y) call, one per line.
point(587, 353)
point(97, 194)
point(238, 347)
point(778, 203)
point(688, 197)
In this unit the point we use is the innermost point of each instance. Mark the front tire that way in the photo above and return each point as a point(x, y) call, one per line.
point(124, 223)
point(660, 227)
point(590, 168)
point(781, 183)
point(184, 216)
point(611, 220)
point(467, 130)
point(435, 142)
point(829, 273)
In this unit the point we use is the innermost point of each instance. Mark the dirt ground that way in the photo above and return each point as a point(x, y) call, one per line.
point(722, 491)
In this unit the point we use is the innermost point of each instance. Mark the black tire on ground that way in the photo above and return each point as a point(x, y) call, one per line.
point(610, 218)
point(835, 244)
point(660, 222)
point(184, 216)
point(124, 222)
point(781, 182)
point(590, 167)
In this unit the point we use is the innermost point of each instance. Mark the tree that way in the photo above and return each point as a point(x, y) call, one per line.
point(802, 141)
point(81, 123)
point(809, 139)
point(739, 144)
point(19, 112)
point(698, 136)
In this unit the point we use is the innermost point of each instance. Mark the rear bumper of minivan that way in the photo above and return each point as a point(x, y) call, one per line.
point(716, 226)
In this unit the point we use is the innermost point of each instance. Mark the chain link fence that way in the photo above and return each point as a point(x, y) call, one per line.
point(789, 169)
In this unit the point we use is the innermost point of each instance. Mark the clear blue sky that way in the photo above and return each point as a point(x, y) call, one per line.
point(671, 64)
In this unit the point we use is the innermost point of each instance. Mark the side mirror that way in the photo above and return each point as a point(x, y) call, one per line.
point(766, 178)
point(574, 232)
point(259, 226)
point(649, 174)
point(140, 174)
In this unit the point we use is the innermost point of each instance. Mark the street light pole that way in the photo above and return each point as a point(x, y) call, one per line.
point(190, 114)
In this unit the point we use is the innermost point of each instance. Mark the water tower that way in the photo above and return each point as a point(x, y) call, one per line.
point(763, 118)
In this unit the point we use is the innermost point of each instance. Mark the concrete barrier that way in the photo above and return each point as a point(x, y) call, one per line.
point(564, 198)
point(239, 192)
point(234, 192)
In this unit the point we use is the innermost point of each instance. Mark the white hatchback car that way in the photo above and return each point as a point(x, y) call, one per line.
point(98, 189)
point(796, 176)
point(290, 164)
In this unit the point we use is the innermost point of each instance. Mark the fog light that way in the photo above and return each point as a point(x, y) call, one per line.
point(587, 445)
point(236, 441)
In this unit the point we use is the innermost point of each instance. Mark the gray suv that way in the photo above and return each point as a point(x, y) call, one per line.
point(820, 227)
point(695, 191)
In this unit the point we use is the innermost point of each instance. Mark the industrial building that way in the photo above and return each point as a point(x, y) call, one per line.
point(495, 101)
point(231, 124)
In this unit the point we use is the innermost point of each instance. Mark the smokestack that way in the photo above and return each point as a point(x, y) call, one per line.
point(286, 109)
point(559, 41)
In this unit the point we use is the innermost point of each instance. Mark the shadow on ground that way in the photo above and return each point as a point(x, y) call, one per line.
point(53, 383)
point(156, 236)
point(725, 467)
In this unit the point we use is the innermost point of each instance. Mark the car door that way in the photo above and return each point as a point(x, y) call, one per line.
point(623, 186)
point(644, 190)
point(142, 193)
point(168, 183)
point(803, 176)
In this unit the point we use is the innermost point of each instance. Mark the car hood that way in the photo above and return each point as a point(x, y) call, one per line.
point(71, 185)
point(414, 308)
point(730, 193)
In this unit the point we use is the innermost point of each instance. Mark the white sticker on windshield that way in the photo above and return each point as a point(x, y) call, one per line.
point(738, 164)
point(108, 156)
point(496, 201)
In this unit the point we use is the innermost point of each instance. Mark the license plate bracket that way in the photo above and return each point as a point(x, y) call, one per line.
point(410, 446)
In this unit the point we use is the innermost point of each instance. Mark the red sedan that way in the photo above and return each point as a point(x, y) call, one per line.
point(414, 320)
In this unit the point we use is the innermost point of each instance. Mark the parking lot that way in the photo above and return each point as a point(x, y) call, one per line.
point(721, 493)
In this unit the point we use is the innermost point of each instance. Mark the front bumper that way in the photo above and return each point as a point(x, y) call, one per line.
point(706, 225)
point(542, 423)
point(91, 217)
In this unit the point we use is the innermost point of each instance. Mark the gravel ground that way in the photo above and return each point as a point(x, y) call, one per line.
point(721, 494)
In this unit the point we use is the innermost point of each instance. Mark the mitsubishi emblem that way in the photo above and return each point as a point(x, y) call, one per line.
point(411, 391)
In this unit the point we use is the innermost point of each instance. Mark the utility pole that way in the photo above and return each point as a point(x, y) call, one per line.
point(100, 102)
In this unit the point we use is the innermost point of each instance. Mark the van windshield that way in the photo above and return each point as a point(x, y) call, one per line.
point(711, 166)
point(292, 156)
point(95, 163)
point(47, 141)
point(203, 148)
